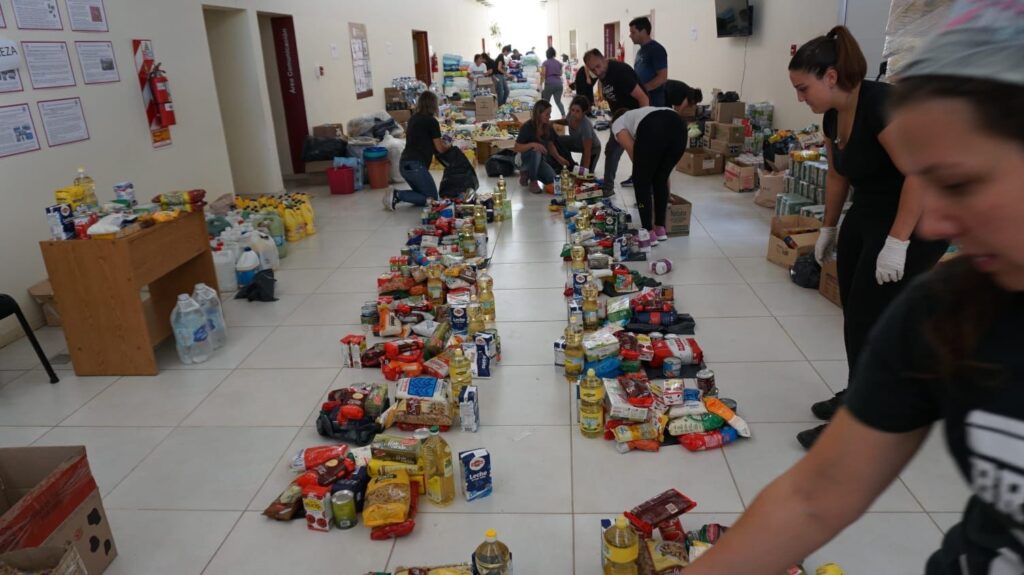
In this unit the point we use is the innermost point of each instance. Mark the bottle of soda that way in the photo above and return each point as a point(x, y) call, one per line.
point(591, 405)
point(620, 549)
point(492, 557)
point(708, 440)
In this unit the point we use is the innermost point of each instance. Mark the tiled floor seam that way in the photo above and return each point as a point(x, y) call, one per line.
point(222, 542)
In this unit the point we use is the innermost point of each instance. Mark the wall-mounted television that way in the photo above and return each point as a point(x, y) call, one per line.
point(734, 18)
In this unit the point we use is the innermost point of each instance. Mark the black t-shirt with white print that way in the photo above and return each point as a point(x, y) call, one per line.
point(983, 409)
point(617, 86)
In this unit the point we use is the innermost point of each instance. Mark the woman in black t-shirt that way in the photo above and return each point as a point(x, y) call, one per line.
point(877, 253)
point(949, 348)
point(423, 140)
point(536, 145)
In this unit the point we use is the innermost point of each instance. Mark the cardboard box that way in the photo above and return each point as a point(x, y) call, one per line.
point(49, 560)
point(677, 221)
point(400, 116)
point(48, 497)
point(42, 292)
point(740, 177)
point(725, 112)
point(485, 82)
point(701, 163)
point(329, 131)
point(802, 233)
point(725, 148)
point(486, 107)
point(828, 285)
point(771, 185)
point(732, 133)
point(393, 96)
point(521, 117)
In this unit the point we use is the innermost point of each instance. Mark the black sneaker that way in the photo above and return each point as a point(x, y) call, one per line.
point(824, 410)
point(627, 183)
point(809, 436)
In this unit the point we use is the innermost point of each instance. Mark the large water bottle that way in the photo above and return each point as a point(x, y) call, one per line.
point(190, 332)
point(209, 302)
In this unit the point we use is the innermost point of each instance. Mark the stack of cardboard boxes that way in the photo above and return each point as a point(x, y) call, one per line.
point(396, 106)
point(723, 139)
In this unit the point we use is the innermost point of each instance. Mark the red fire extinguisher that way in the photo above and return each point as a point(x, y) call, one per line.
point(160, 88)
point(433, 63)
point(621, 53)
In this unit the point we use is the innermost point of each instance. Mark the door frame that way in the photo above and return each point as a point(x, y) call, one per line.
point(611, 40)
point(421, 56)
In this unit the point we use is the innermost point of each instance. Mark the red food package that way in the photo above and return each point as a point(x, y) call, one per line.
point(686, 350)
point(672, 530)
point(638, 393)
point(661, 508)
point(333, 470)
point(644, 445)
point(311, 457)
point(373, 356)
point(399, 347)
point(611, 424)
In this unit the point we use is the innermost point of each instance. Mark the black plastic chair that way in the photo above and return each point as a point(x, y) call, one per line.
point(10, 307)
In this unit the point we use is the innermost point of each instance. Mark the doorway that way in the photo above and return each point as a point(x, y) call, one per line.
point(284, 90)
point(611, 40)
point(421, 56)
point(237, 78)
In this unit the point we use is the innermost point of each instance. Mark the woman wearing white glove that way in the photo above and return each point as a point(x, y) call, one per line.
point(875, 249)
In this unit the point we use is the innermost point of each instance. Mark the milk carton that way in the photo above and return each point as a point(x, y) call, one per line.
point(476, 473)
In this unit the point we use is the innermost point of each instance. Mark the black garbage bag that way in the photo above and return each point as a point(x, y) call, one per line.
point(806, 272)
point(261, 288)
point(502, 163)
point(323, 149)
point(380, 129)
point(459, 175)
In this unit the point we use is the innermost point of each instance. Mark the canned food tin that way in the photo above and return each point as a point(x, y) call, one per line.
point(706, 382)
point(343, 506)
point(672, 367)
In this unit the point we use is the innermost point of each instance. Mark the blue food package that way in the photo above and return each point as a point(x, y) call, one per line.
point(356, 483)
point(476, 473)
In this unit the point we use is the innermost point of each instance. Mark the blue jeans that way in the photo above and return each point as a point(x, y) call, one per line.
point(419, 179)
point(536, 167)
point(501, 88)
point(612, 154)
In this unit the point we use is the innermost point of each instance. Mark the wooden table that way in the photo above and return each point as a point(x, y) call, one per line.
point(110, 328)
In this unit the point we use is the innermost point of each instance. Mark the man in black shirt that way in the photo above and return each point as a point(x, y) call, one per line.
point(500, 75)
point(620, 88)
point(584, 86)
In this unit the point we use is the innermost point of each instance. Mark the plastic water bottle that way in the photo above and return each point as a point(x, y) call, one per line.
point(209, 302)
point(246, 267)
point(190, 332)
point(492, 557)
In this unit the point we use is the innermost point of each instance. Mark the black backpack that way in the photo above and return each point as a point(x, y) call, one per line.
point(502, 163)
point(806, 272)
point(459, 175)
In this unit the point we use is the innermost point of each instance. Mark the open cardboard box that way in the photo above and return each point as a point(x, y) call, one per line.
point(699, 162)
point(677, 221)
point(802, 233)
point(49, 560)
point(48, 497)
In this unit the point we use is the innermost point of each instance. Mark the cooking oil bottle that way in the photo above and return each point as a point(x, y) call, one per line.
point(591, 321)
point(460, 373)
point(620, 549)
point(435, 287)
point(499, 199)
point(480, 219)
point(476, 316)
point(88, 186)
point(468, 241)
point(485, 293)
point(579, 259)
point(438, 469)
point(573, 353)
point(492, 557)
point(591, 405)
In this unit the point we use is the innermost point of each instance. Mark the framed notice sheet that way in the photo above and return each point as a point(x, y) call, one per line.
point(37, 15)
point(360, 60)
point(48, 63)
point(97, 62)
point(63, 121)
point(17, 131)
point(10, 81)
point(87, 15)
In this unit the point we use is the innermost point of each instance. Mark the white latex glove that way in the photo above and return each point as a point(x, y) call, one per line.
point(826, 244)
point(892, 258)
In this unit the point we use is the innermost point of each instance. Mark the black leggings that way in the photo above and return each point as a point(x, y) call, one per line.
point(660, 142)
point(861, 238)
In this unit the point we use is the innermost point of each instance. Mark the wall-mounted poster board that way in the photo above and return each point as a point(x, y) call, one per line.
point(49, 64)
point(17, 131)
point(63, 121)
point(97, 61)
point(87, 16)
point(37, 15)
point(361, 74)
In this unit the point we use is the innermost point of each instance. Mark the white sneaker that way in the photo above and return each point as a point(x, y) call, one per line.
point(388, 199)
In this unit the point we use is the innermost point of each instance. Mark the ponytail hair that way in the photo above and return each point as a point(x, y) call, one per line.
point(839, 50)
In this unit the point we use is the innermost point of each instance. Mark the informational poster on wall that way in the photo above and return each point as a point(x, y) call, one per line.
point(97, 62)
point(63, 121)
point(17, 131)
point(37, 15)
point(10, 81)
point(360, 60)
point(49, 64)
point(87, 16)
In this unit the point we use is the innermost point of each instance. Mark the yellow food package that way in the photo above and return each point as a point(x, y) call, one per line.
point(446, 570)
point(381, 467)
point(387, 499)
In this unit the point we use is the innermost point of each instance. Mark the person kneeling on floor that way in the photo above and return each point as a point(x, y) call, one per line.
point(423, 141)
point(536, 147)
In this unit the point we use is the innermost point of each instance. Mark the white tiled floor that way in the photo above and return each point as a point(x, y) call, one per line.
point(187, 460)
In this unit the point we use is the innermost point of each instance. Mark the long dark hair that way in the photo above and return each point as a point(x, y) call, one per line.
point(426, 104)
point(968, 300)
point(539, 108)
point(838, 49)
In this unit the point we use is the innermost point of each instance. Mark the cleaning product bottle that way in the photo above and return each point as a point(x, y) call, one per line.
point(274, 226)
point(209, 302)
point(246, 267)
point(492, 557)
point(224, 265)
point(591, 321)
point(188, 322)
point(460, 373)
point(439, 471)
point(308, 217)
point(573, 354)
point(476, 316)
point(620, 548)
point(88, 187)
point(480, 219)
point(485, 293)
point(263, 245)
point(591, 405)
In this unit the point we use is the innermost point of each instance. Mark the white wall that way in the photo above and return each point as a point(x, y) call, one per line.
point(119, 148)
point(696, 56)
